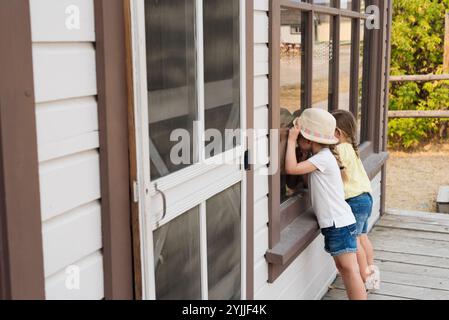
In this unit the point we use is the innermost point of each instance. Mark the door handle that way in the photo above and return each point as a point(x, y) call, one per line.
point(164, 203)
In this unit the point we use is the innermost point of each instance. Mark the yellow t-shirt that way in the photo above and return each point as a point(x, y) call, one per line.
point(358, 181)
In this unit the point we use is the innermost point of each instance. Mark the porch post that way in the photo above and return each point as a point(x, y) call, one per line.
point(21, 254)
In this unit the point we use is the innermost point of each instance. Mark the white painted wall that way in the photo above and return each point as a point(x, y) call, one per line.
point(68, 141)
point(310, 274)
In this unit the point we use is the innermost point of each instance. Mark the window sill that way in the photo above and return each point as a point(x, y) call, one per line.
point(374, 163)
point(303, 230)
point(294, 239)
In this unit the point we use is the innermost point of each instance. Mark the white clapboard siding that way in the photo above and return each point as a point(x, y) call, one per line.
point(375, 214)
point(261, 124)
point(68, 183)
point(64, 65)
point(260, 274)
point(299, 276)
point(261, 151)
point(63, 71)
point(90, 271)
point(260, 91)
point(260, 243)
point(260, 214)
point(261, 26)
point(260, 183)
point(261, 5)
point(79, 230)
point(261, 121)
point(260, 59)
point(62, 20)
point(66, 127)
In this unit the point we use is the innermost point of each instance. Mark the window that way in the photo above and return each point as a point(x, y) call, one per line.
point(322, 61)
point(320, 65)
point(360, 82)
point(295, 29)
point(172, 80)
point(291, 93)
point(221, 69)
point(345, 63)
point(346, 4)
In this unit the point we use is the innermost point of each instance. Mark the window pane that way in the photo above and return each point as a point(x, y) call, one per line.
point(346, 4)
point(322, 56)
point(224, 245)
point(177, 258)
point(345, 63)
point(292, 88)
point(222, 69)
point(362, 6)
point(327, 3)
point(359, 112)
point(171, 68)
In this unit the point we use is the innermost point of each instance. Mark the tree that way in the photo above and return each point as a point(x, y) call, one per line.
point(417, 48)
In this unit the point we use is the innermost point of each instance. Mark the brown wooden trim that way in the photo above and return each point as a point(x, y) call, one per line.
point(294, 240)
point(418, 114)
point(21, 253)
point(114, 160)
point(366, 149)
point(419, 77)
point(321, 9)
point(274, 121)
point(250, 125)
point(386, 105)
point(335, 63)
point(373, 163)
point(293, 207)
point(138, 285)
point(381, 56)
point(355, 67)
point(307, 61)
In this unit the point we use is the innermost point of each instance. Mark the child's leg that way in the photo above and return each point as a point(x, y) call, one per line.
point(362, 260)
point(368, 248)
point(349, 271)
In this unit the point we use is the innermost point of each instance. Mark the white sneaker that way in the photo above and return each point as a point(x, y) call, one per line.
point(372, 283)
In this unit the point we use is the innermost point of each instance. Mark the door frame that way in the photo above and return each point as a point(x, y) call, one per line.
point(141, 223)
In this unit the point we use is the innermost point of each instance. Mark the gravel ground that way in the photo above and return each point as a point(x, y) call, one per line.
point(413, 178)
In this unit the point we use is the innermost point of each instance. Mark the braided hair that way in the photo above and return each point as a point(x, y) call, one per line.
point(333, 149)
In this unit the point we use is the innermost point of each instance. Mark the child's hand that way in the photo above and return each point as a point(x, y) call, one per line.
point(296, 124)
point(293, 134)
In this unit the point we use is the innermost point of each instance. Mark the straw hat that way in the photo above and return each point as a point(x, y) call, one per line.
point(318, 125)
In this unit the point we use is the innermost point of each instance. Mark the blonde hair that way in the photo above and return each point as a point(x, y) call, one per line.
point(347, 124)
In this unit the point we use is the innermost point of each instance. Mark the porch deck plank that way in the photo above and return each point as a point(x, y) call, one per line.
point(412, 252)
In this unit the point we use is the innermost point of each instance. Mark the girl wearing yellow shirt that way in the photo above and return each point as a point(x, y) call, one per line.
point(357, 187)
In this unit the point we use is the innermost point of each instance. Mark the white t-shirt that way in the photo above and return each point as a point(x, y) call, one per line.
point(327, 192)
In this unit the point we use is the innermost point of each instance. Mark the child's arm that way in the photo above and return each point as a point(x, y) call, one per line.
point(291, 164)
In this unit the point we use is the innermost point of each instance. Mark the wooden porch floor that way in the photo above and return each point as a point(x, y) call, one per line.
point(412, 252)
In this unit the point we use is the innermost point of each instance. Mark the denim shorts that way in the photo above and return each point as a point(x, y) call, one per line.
point(338, 241)
point(361, 207)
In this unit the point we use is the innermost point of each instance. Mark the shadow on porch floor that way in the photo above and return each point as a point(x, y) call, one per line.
point(412, 252)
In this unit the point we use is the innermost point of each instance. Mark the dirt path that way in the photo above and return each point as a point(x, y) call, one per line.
point(413, 179)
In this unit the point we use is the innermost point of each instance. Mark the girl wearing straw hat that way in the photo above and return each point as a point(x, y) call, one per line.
point(315, 129)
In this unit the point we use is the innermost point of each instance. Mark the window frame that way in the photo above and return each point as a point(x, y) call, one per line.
point(281, 254)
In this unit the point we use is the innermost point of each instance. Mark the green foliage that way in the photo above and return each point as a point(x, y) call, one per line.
point(417, 48)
